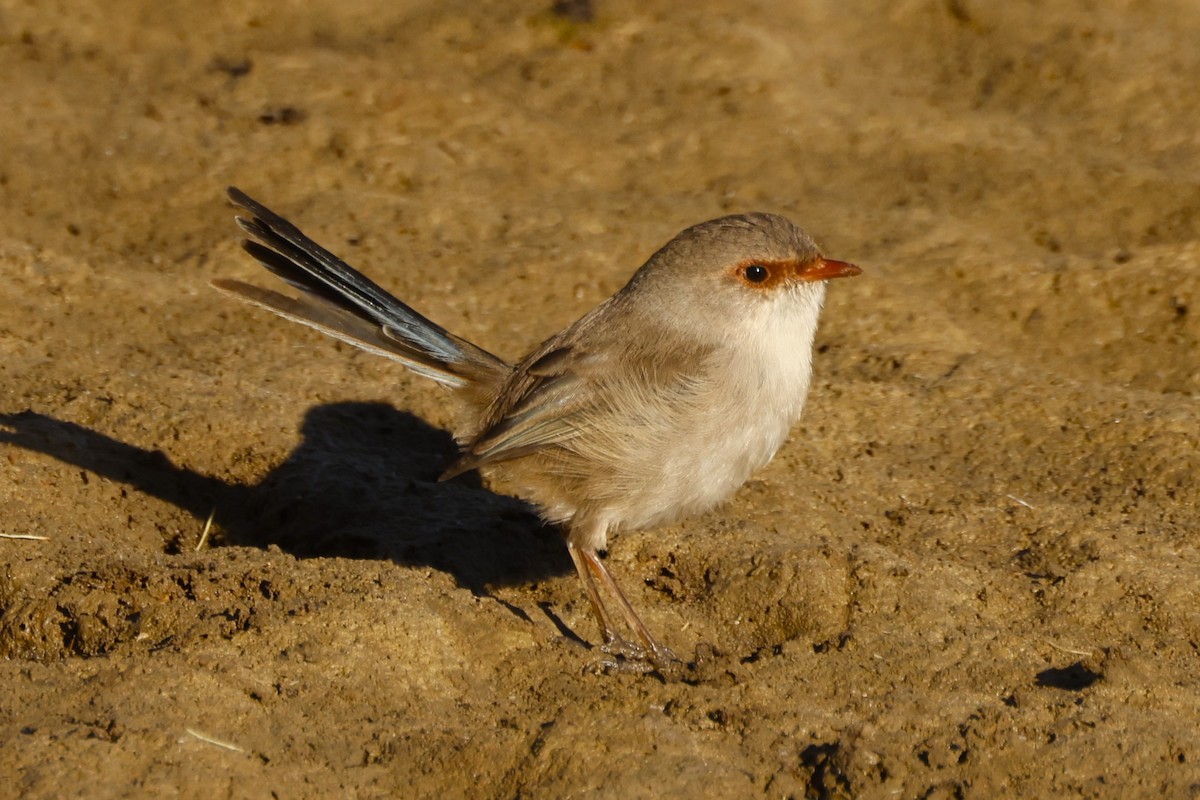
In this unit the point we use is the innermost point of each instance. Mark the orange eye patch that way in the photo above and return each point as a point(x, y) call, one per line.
point(766, 273)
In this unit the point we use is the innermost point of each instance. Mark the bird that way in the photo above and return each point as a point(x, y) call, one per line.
point(654, 406)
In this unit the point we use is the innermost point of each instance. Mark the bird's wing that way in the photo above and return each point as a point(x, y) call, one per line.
point(557, 394)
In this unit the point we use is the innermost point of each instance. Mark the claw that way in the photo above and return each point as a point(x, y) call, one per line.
point(624, 656)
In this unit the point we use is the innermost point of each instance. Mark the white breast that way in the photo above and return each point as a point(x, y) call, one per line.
point(754, 393)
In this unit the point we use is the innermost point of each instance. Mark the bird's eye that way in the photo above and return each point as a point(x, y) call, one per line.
point(756, 273)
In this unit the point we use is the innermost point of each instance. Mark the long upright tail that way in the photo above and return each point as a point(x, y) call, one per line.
point(342, 302)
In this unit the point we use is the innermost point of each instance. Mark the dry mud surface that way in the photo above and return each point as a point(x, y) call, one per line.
point(971, 572)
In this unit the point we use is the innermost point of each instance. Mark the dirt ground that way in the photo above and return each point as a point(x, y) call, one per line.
point(971, 572)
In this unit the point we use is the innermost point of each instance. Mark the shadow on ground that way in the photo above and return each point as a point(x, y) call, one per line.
point(363, 483)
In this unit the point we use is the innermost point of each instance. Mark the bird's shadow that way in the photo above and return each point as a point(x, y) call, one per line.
point(363, 483)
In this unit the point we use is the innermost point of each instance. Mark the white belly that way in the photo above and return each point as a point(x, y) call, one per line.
point(711, 446)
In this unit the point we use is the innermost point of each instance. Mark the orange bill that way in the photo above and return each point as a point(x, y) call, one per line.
point(824, 269)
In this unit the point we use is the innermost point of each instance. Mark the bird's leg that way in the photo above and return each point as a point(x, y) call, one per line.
point(580, 544)
point(660, 656)
point(607, 629)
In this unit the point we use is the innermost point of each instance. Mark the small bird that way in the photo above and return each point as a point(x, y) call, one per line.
point(657, 404)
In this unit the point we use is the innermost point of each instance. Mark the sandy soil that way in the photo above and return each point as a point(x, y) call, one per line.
point(971, 572)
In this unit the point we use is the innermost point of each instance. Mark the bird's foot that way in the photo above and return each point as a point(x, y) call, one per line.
point(622, 655)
